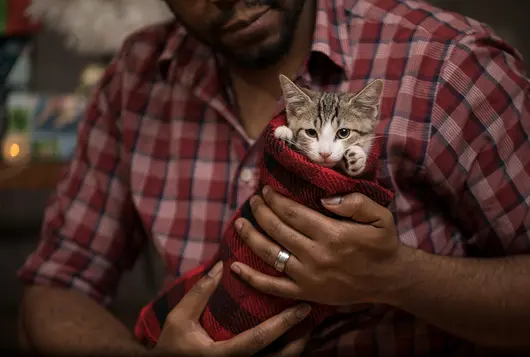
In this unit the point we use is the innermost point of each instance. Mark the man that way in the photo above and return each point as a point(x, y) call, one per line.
point(166, 153)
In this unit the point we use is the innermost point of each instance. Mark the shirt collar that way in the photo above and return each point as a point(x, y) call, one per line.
point(330, 38)
point(331, 34)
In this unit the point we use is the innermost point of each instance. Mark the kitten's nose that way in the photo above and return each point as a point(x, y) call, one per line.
point(325, 155)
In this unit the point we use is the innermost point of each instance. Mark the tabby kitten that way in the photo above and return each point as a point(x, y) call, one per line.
point(331, 129)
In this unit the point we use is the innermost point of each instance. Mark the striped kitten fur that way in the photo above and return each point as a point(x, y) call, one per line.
point(331, 129)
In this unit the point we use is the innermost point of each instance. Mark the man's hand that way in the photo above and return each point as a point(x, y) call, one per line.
point(183, 335)
point(334, 262)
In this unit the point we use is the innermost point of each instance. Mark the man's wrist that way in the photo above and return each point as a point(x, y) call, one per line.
point(403, 275)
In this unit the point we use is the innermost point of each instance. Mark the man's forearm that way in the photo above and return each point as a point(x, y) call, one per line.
point(62, 322)
point(485, 301)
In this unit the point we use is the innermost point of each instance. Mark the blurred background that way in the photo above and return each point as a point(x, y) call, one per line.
point(46, 74)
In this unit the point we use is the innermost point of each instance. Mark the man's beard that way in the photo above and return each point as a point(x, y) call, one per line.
point(268, 54)
point(264, 56)
point(271, 54)
point(257, 57)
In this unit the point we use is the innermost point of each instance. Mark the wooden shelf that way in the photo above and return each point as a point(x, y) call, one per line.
point(32, 176)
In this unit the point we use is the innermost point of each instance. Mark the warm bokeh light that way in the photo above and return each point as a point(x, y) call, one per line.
point(14, 150)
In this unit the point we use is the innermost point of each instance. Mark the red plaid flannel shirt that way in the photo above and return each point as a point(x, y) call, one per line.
point(163, 157)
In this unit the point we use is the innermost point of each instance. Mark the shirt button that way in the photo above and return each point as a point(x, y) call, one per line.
point(246, 175)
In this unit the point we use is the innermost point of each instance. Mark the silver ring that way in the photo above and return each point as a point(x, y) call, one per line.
point(281, 260)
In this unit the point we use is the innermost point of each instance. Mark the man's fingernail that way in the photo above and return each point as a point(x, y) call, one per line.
point(333, 200)
point(238, 224)
point(265, 190)
point(235, 268)
point(303, 311)
point(217, 268)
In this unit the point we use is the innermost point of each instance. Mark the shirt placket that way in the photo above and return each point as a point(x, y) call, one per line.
point(248, 176)
point(244, 181)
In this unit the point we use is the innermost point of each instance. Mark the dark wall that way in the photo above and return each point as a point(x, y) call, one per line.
point(56, 68)
point(508, 18)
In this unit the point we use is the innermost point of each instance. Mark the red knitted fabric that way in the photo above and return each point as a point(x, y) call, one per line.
point(235, 307)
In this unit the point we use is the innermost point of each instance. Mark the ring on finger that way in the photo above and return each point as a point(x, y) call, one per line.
point(281, 260)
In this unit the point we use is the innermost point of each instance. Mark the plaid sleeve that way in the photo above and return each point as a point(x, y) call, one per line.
point(479, 153)
point(88, 233)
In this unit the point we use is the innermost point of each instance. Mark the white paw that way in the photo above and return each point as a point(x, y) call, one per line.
point(354, 161)
point(283, 133)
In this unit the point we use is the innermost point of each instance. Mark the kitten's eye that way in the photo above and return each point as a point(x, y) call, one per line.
point(343, 133)
point(312, 133)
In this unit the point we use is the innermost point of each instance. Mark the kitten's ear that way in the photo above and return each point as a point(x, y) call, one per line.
point(368, 99)
point(371, 94)
point(295, 98)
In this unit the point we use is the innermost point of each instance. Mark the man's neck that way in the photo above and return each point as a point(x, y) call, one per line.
point(267, 78)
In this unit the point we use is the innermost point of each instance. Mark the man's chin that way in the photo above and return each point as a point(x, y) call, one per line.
point(264, 52)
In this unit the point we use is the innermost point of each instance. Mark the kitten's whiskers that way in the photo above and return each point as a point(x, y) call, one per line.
point(298, 146)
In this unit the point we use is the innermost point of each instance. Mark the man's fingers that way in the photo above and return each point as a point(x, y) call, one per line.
point(267, 250)
point(193, 303)
point(297, 216)
point(259, 337)
point(276, 228)
point(270, 285)
point(359, 208)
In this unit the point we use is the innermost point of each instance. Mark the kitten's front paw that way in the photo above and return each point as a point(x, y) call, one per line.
point(283, 133)
point(354, 161)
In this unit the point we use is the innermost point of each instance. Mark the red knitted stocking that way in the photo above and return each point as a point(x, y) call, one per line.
point(235, 307)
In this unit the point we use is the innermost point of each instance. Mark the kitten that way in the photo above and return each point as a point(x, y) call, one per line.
point(331, 129)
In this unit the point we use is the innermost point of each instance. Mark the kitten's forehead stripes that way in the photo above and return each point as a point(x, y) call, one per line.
point(327, 110)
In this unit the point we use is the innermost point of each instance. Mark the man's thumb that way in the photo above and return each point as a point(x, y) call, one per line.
point(193, 303)
point(356, 206)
